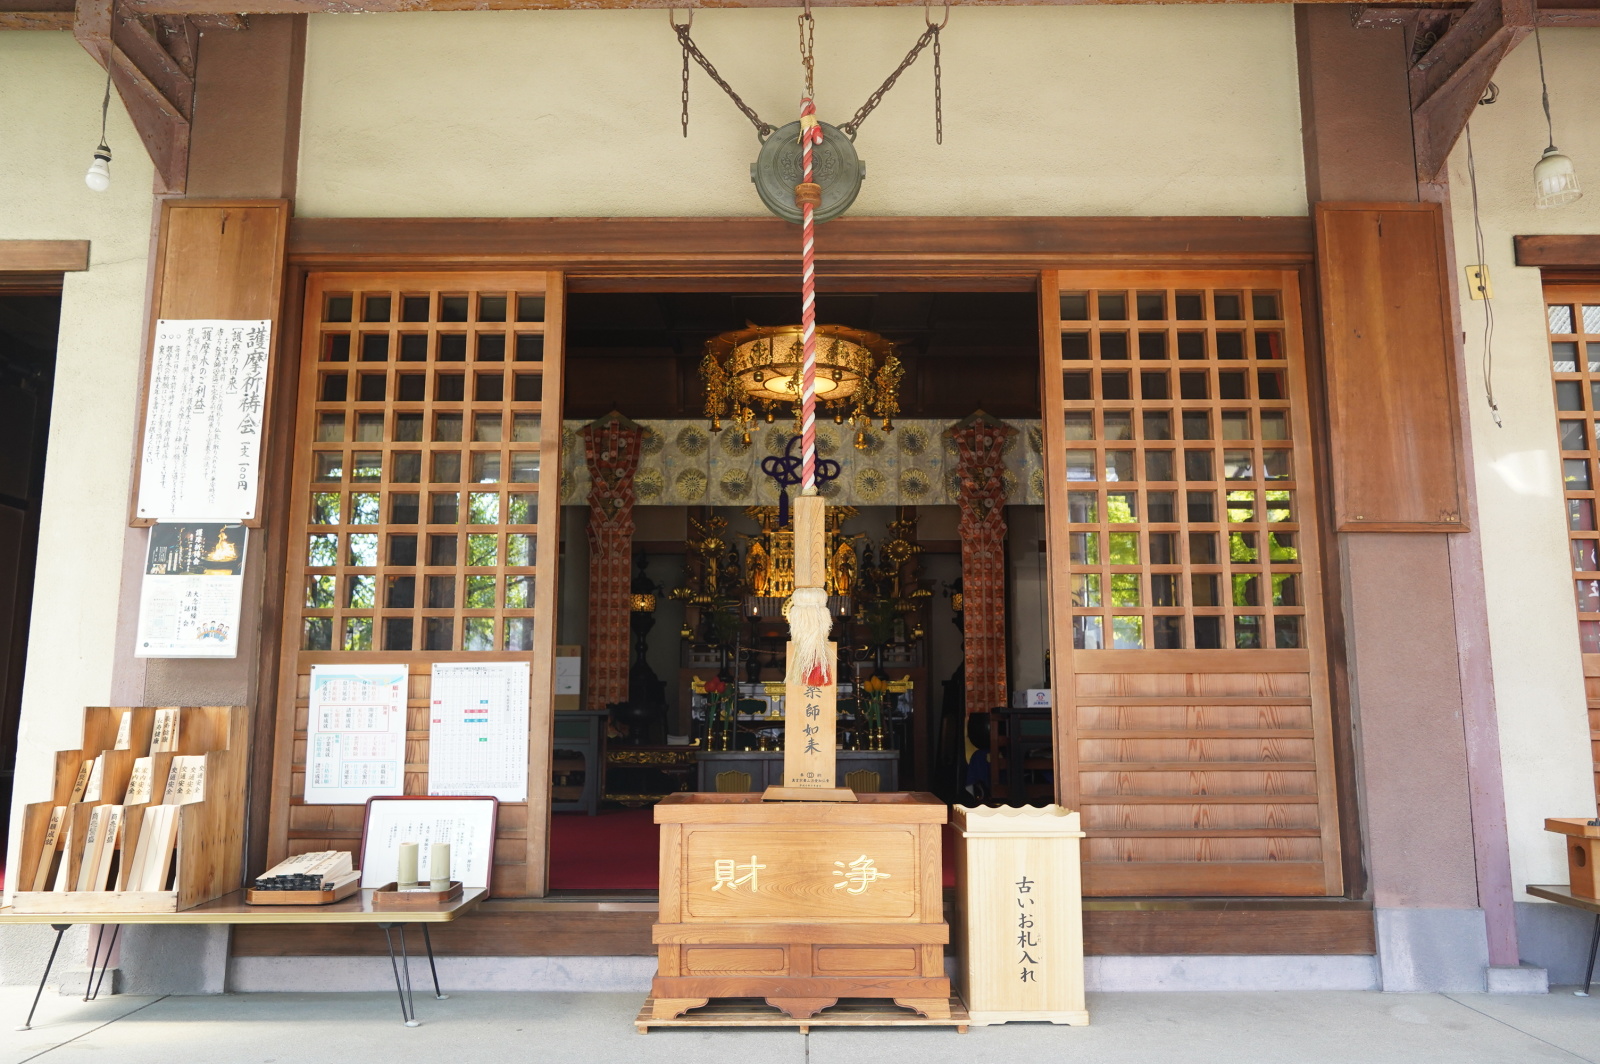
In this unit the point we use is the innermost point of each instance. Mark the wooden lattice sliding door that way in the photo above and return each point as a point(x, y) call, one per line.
point(1573, 317)
point(1190, 678)
point(429, 405)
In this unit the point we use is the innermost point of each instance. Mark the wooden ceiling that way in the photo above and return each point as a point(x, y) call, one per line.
point(640, 352)
point(58, 14)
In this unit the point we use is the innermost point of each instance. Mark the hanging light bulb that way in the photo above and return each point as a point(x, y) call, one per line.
point(99, 175)
point(1555, 182)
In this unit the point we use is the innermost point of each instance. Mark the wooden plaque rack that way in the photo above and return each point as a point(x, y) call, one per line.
point(209, 857)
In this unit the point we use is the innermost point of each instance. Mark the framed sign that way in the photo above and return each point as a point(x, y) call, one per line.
point(467, 824)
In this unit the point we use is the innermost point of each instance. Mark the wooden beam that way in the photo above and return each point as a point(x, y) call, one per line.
point(1110, 929)
point(1572, 252)
point(35, 20)
point(1569, 14)
point(44, 14)
point(44, 256)
point(311, 7)
point(739, 248)
point(151, 60)
point(1448, 81)
point(35, 14)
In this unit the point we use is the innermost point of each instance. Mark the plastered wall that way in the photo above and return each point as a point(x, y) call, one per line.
point(1174, 110)
point(48, 129)
point(1544, 734)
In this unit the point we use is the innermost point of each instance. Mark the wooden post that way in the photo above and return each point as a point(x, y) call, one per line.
point(810, 711)
point(810, 542)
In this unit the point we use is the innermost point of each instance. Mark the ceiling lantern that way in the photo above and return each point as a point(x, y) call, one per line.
point(758, 370)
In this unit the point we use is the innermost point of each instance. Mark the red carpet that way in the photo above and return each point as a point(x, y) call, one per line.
point(618, 850)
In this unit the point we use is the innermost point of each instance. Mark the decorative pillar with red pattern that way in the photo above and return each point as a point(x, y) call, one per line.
point(611, 448)
point(980, 444)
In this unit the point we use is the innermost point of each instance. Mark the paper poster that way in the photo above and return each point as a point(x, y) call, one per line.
point(467, 825)
point(478, 730)
point(356, 733)
point(192, 589)
point(569, 674)
point(202, 422)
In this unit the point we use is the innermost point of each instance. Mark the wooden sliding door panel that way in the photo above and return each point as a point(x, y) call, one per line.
point(1190, 663)
point(1394, 422)
point(419, 528)
point(1572, 315)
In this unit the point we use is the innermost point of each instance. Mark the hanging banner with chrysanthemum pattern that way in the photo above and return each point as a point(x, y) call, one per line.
point(683, 463)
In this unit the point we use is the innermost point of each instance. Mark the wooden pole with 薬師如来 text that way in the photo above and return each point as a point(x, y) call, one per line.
point(812, 683)
point(810, 702)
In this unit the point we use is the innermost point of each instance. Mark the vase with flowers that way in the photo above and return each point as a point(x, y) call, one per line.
point(719, 715)
point(873, 691)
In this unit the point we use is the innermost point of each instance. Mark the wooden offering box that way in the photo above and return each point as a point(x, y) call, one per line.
point(1021, 928)
point(801, 903)
point(1583, 853)
point(210, 850)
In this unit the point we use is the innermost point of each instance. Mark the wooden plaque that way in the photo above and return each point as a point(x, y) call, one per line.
point(811, 734)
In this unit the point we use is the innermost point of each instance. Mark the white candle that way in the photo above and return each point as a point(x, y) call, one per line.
point(439, 867)
point(406, 877)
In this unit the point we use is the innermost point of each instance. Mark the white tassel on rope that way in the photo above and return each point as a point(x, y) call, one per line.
point(809, 625)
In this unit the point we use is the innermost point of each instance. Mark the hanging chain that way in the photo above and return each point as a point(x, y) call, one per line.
point(682, 36)
point(808, 48)
point(931, 34)
point(692, 50)
point(807, 57)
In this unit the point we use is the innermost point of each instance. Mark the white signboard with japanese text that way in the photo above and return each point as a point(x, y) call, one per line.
point(356, 733)
point(478, 729)
point(467, 824)
point(193, 586)
point(203, 419)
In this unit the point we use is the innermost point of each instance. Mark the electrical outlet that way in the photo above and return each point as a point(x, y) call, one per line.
point(1478, 282)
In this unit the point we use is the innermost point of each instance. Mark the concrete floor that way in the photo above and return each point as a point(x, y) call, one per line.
point(1336, 1027)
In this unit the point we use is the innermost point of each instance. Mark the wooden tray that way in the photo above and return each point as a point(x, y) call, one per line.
point(389, 896)
point(302, 897)
point(753, 1012)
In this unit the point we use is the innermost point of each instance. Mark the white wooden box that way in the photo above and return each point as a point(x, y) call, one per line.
point(1020, 934)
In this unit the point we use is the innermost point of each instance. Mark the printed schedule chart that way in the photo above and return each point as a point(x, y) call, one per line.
point(478, 730)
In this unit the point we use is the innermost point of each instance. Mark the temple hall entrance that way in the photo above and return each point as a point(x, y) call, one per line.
point(677, 558)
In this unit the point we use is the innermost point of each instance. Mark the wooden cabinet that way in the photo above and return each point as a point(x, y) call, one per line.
point(756, 770)
point(800, 903)
point(577, 752)
point(1020, 758)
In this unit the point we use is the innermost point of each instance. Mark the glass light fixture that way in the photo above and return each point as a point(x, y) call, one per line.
point(1555, 182)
